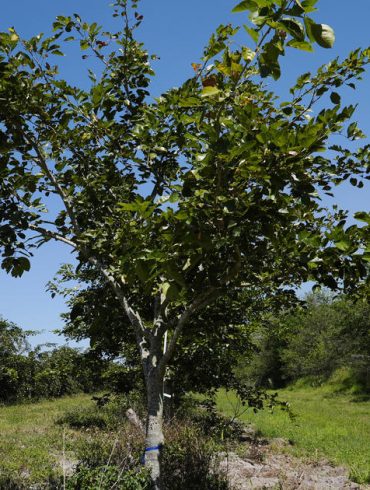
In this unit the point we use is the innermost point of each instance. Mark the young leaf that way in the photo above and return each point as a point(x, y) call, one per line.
point(252, 32)
point(293, 27)
point(209, 91)
point(309, 5)
point(245, 5)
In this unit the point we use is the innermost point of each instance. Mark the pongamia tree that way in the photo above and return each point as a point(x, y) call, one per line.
point(177, 202)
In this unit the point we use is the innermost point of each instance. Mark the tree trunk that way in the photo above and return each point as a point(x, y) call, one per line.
point(154, 427)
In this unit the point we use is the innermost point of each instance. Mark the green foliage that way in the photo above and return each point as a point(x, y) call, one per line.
point(246, 197)
point(14, 365)
point(82, 418)
point(104, 415)
point(65, 370)
point(189, 455)
point(27, 373)
point(313, 342)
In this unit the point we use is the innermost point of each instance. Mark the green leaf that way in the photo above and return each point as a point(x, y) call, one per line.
point(293, 27)
point(169, 291)
point(363, 216)
point(84, 45)
point(252, 32)
point(309, 23)
point(323, 35)
point(248, 54)
point(142, 271)
point(335, 98)
point(309, 5)
point(302, 45)
point(245, 5)
point(24, 263)
point(344, 245)
point(209, 91)
point(354, 132)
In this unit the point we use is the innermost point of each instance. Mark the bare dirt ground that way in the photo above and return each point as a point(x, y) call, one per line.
point(264, 468)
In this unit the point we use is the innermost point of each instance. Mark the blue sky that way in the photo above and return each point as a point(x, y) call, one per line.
point(177, 32)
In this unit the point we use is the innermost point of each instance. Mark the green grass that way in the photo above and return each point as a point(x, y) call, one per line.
point(31, 444)
point(328, 425)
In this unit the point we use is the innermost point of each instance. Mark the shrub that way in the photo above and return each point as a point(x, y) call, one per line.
point(107, 477)
point(110, 459)
point(83, 418)
point(109, 456)
point(190, 459)
point(108, 411)
point(122, 448)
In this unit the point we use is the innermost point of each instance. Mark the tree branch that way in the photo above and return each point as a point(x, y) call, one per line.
point(52, 234)
point(132, 315)
point(41, 160)
point(200, 302)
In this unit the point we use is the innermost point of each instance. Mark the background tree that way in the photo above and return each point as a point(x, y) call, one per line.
point(313, 342)
point(176, 203)
point(13, 349)
point(44, 371)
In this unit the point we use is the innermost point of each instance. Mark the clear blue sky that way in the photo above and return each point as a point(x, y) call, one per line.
point(177, 32)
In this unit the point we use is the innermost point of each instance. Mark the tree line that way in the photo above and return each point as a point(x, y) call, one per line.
point(324, 337)
point(310, 341)
point(48, 371)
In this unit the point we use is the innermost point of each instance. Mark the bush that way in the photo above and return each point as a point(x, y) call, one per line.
point(108, 458)
point(212, 423)
point(27, 373)
point(190, 459)
point(83, 418)
point(108, 411)
point(107, 477)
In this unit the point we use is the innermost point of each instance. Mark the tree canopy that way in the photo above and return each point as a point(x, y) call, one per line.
point(212, 188)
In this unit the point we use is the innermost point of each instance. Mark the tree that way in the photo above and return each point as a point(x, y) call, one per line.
point(13, 350)
point(34, 373)
point(177, 203)
point(313, 342)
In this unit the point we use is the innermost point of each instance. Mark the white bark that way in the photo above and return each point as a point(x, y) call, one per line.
point(154, 428)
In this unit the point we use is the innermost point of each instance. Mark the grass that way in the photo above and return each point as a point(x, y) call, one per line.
point(328, 425)
point(31, 444)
